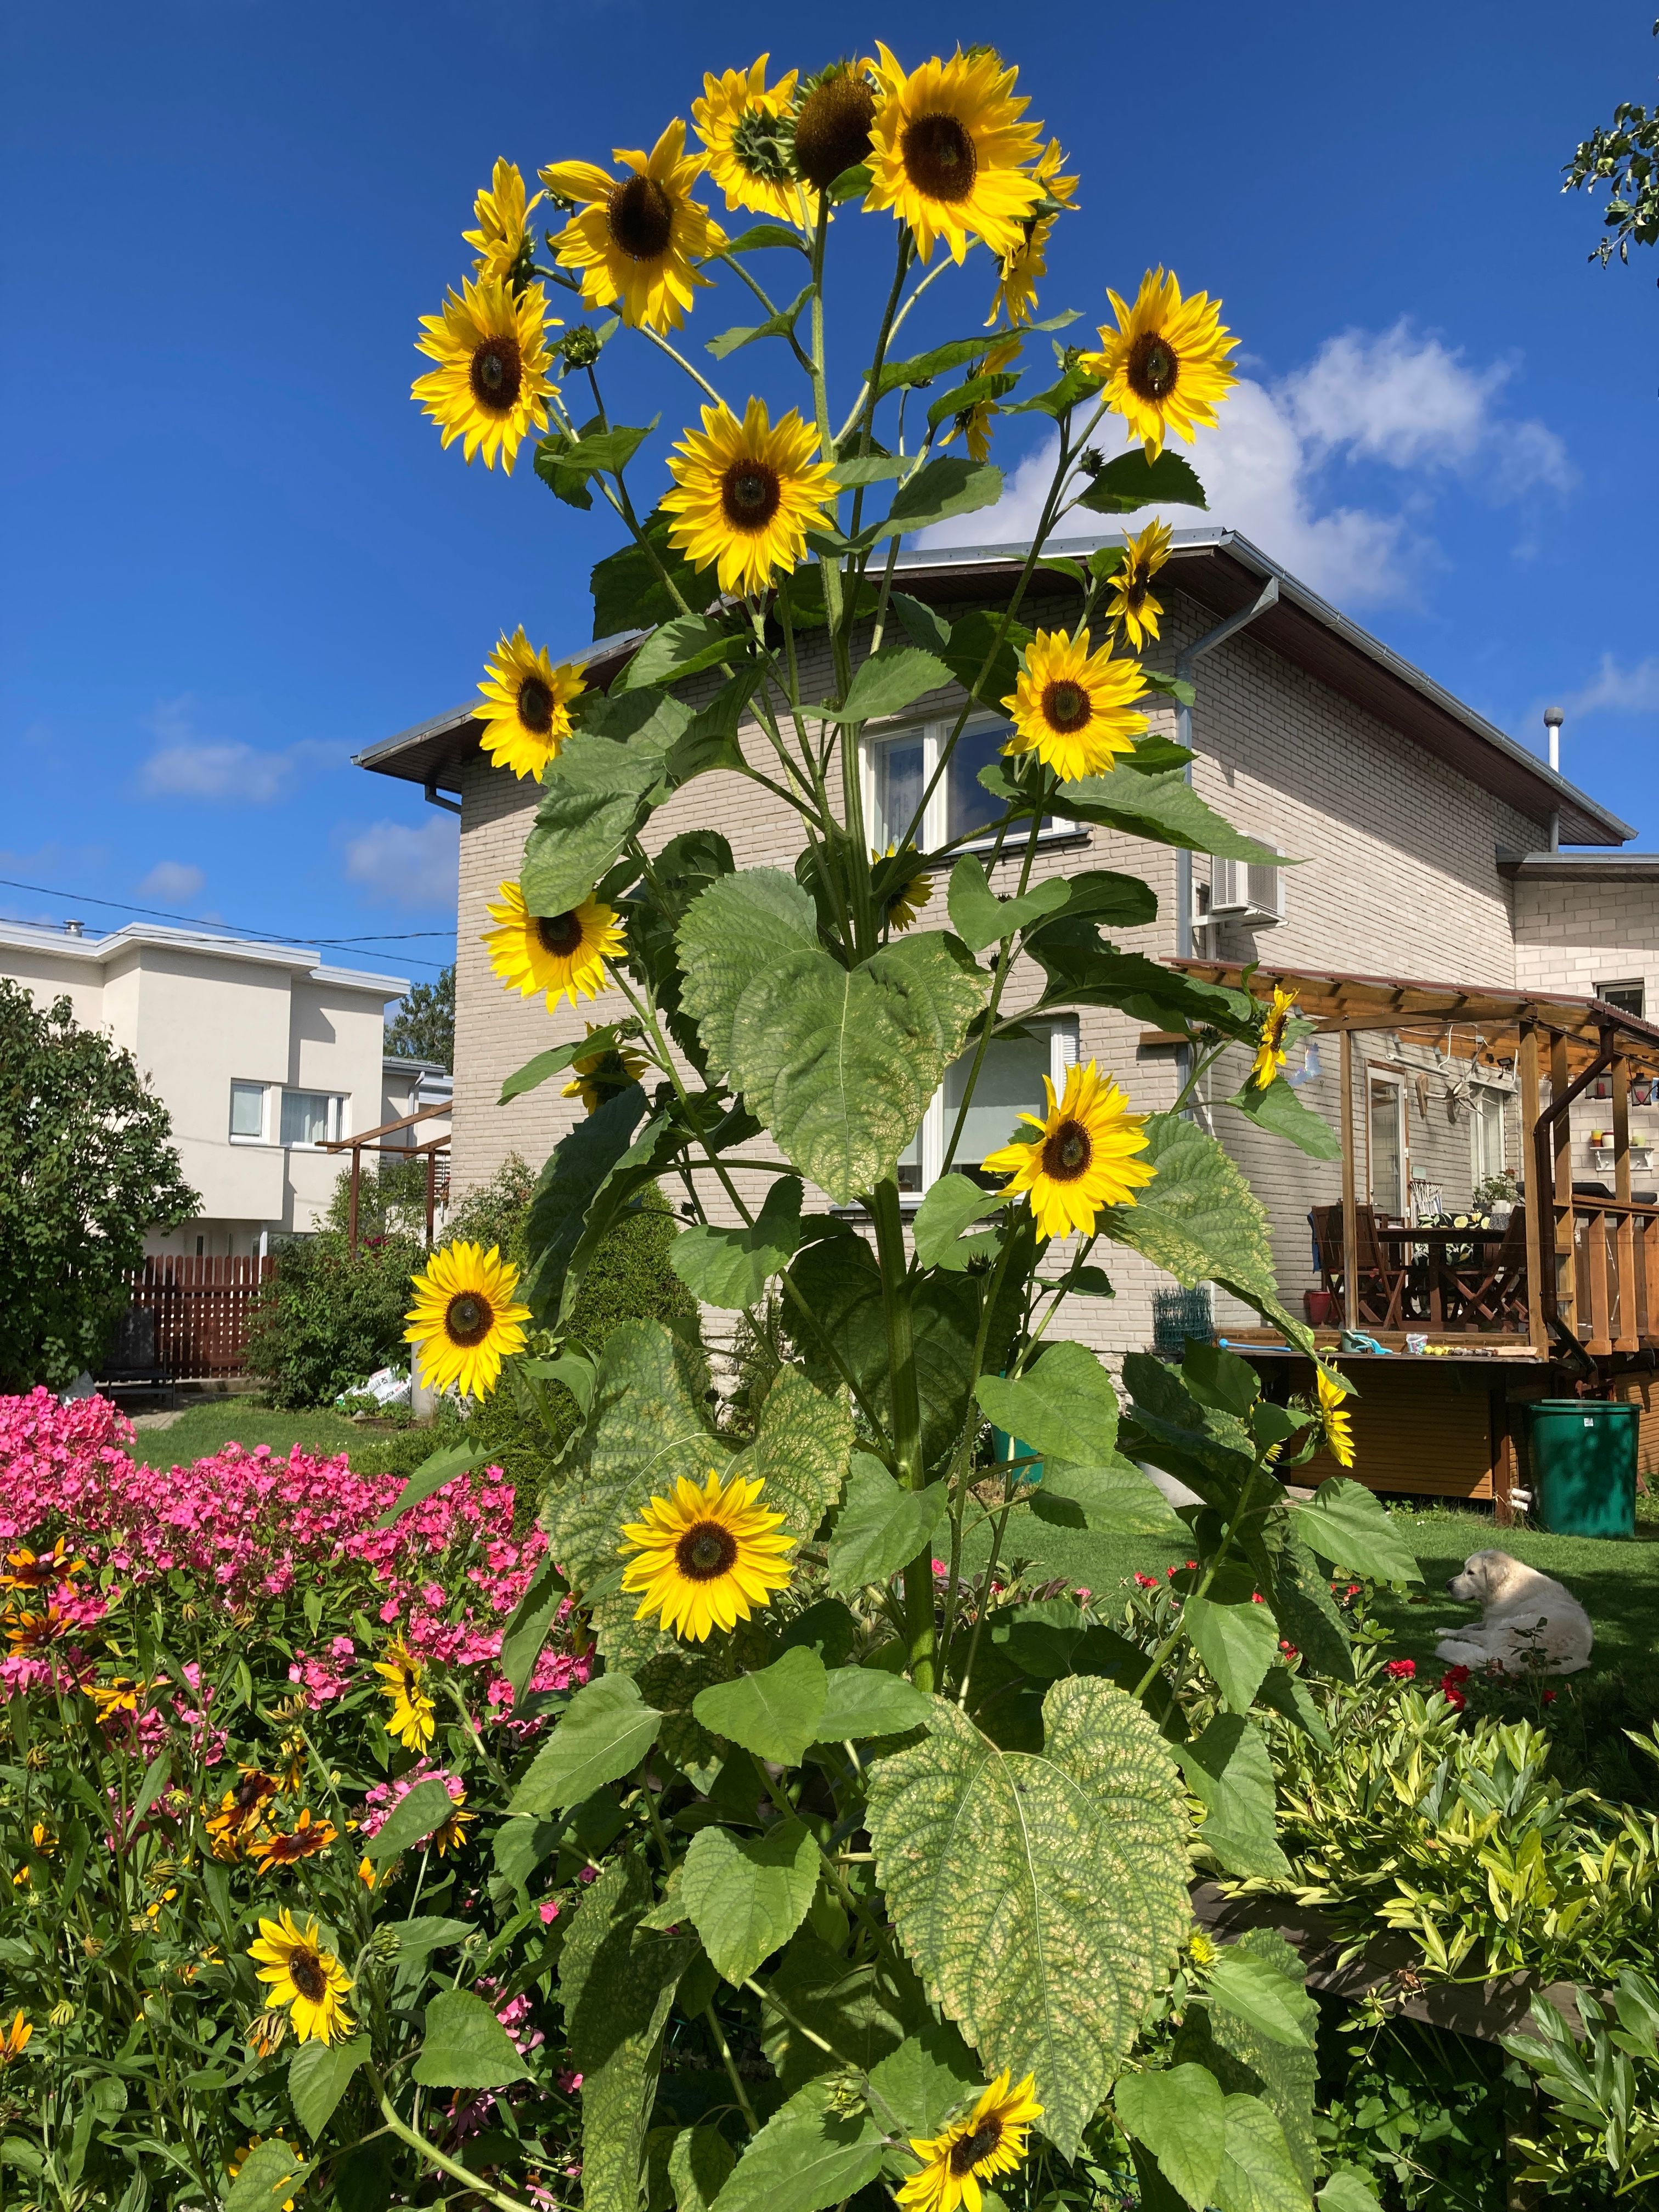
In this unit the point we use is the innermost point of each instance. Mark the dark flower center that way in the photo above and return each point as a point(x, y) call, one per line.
point(1135, 590)
point(560, 934)
point(1066, 706)
point(832, 131)
point(706, 1552)
point(939, 157)
point(966, 2154)
point(640, 215)
point(535, 705)
point(1067, 1152)
point(498, 374)
point(750, 494)
point(1153, 366)
point(467, 1319)
point(306, 1971)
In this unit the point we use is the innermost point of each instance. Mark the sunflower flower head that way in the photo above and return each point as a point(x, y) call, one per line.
point(1270, 1050)
point(706, 1557)
point(748, 135)
point(745, 494)
point(562, 954)
point(634, 239)
point(503, 239)
point(1132, 607)
point(991, 2140)
point(526, 709)
point(1164, 367)
point(1335, 1420)
point(599, 1075)
point(1072, 706)
point(949, 151)
point(466, 1320)
point(832, 122)
point(301, 1975)
point(1083, 1157)
point(491, 383)
point(1023, 269)
point(904, 888)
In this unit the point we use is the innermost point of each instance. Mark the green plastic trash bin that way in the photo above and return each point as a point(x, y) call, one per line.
point(1583, 1466)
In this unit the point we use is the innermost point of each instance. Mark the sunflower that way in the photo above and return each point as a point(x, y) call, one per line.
point(403, 1679)
point(973, 421)
point(991, 2140)
point(908, 890)
point(1082, 1156)
point(748, 133)
point(238, 2160)
point(1132, 603)
point(526, 709)
point(600, 1075)
point(241, 1811)
point(501, 214)
point(491, 382)
point(1270, 1054)
point(1165, 366)
point(464, 1322)
point(946, 147)
point(305, 1977)
point(635, 237)
point(562, 954)
point(307, 1838)
point(1337, 1424)
point(14, 2038)
point(265, 2032)
point(745, 494)
point(706, 1558)
point(1070, 708)
point(832, 123)
point(30, 1571)
point(118, 1696)
point(1016, 295)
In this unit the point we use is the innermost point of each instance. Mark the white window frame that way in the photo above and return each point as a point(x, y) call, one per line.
point(336, 1120)
point(1394, 1080)
point(1062, 1056)
point(236, 1136)
point(1482, 1096)
point(935, 832)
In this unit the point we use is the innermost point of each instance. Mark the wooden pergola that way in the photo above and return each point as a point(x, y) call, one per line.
point(1592, 1263)
point(373, 1140)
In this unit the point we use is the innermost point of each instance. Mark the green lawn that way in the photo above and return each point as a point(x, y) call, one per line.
point(202, 1428)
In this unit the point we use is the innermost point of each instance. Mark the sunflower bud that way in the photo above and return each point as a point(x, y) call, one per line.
point(61, 2016)
point(38, 1758)
point(1092, 460)
point(580, 347)
point(386, 1941)
point(265, 2032)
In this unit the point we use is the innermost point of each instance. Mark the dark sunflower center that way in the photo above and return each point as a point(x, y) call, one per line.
point(1066, 706)
point(535, 705)
point(1153, 366)
point(467, 1319)
point(750, 494)
point(498, 374)
point(1066, 1154)
point(411, 1681)
point(705, 1551)
point(832, 131)
point(640, 215)
point(939, 157)
point(966, 2154)
point(560, 934)
point(1135, 591)
point(305, 1973)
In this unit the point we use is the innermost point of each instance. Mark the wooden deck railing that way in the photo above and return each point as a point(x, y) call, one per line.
point(1607, 1272)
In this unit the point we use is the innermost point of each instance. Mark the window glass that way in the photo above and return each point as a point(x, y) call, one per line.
point(247, 1110)
point(909, 1164)
point(1388, 1175)
point(1487, 1132)
point(1010, 1084)
point(900, 779)
point(967, 806)
point(1627, 997)
point(304, 1117)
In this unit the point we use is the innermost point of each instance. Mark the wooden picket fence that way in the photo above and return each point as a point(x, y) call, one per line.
point(188, 1319)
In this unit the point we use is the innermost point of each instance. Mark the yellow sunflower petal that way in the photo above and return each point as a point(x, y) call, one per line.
point(1082, 1158)
point(1070, 706)
point(465, 1320)
point(491, 383)
point(745, 494)
point(562, 954)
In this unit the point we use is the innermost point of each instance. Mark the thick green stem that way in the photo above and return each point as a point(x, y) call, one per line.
point(905, 1394)
point(433, 2157)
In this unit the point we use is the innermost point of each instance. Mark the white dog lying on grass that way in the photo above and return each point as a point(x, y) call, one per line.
point(1531, 1624)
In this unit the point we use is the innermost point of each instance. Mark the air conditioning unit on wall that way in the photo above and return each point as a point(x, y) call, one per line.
point(1246, 891)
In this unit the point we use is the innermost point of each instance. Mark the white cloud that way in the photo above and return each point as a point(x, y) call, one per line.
point(1616, 690)
point(187, 765)
point(171, 881)
point(407, 868)
point(1394, 400)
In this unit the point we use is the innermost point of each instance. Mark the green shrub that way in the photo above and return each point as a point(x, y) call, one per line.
point(327, 1318)
point(495, 1213)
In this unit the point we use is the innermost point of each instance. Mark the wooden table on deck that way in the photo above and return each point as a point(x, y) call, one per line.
point(1439, 1241)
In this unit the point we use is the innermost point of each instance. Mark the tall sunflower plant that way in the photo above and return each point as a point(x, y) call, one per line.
point(897, 1827)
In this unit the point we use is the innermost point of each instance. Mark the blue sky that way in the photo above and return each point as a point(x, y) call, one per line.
point(234, 554)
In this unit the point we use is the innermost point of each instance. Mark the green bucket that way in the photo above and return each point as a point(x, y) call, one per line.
point(1583, 1466)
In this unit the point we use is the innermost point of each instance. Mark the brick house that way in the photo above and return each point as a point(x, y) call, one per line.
point(1421, 836)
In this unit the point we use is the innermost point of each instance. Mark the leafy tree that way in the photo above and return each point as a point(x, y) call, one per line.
point(1626, 158)
point(424, 1026)
point(85, 1169)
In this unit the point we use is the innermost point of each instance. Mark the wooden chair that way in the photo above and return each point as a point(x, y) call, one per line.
point(1491, 1290)
point(1380, 1279)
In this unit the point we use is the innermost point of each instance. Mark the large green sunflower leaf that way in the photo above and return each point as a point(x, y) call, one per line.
point(466, 2047)
point(731, 930)
point(1064, 1405)
point(1041, 1894)
point(731, 1267)
point(1165, 808)
point(887, 682)
point(1132, 482)
point(629, 593)
point(604, 1734)
point(576, 1169)
point(681, 647)
point(747, 1898)
point(1180, 2116)
point(773, 1713)
point(882, 1527)
point(980, 918)
point(810, 2153)
point(1083, 970)
point(948, 485)
point(803, 1445)
point(594, 795)
point(1230, 1772)
point(1346, 1524)
point(266, 2177)
point(1200, 1221)
point(1308, 1615)
point(1279, 1108)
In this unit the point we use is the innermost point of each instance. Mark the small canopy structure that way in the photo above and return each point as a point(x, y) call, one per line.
point(1592, 1263)
point(373, 1140)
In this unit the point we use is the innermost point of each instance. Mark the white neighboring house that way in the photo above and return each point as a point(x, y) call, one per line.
point(261, 1055)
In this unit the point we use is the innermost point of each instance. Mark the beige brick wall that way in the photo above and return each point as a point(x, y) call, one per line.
point(1398, 878)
